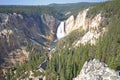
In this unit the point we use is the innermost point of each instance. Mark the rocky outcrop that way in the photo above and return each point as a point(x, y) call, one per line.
point(96, 70)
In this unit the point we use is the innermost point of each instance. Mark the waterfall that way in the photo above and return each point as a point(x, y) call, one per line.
point(60, 31)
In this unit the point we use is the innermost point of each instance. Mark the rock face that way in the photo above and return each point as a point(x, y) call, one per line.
point(96, 70)
point(94, 30)
point(79, 22)
point(17, 31)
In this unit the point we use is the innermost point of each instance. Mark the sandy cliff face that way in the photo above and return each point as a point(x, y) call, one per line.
point(69, 24)
point(94, 30)
point(73, 23)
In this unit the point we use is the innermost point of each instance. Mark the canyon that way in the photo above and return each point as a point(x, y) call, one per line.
point(38, 42)
point(43, 29)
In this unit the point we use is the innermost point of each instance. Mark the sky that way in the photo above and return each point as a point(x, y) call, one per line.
point(42, 2)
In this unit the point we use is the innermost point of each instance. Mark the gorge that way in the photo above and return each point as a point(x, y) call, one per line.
point(77, 41)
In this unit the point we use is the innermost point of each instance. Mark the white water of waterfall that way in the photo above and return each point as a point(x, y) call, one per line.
point(60, 31)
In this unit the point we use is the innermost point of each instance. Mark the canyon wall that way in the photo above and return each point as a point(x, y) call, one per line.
point(91, 27)
point(19, 31)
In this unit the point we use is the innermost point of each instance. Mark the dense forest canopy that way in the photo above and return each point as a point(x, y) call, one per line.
point(71, 8)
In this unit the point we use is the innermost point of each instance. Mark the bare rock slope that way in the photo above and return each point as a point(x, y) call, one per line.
point(96, 70)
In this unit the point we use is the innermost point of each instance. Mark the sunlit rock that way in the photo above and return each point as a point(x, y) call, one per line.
point(96, 70)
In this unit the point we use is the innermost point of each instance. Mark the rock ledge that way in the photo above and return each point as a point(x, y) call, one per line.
point(96, 70)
